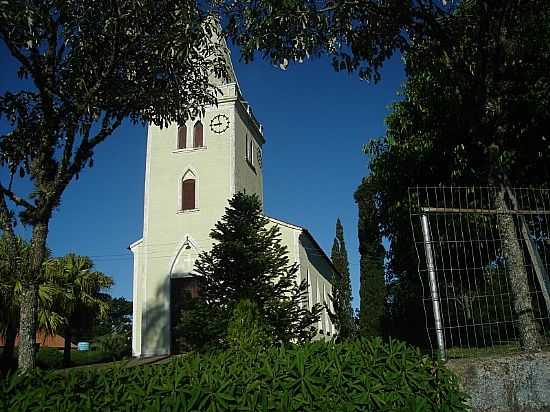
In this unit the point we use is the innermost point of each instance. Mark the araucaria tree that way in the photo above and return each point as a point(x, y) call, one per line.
point(372, 292)
point(86, 66)
point(248, 262)
point(342, 317)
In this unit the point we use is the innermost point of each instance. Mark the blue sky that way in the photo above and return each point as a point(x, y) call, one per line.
point(315, 123)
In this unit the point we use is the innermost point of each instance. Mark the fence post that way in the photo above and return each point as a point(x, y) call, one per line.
point(433, 285)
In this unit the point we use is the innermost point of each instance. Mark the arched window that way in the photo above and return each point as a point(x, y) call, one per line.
point(251, 152)
point(182, 137)
point(188, 194)
point(197, 134)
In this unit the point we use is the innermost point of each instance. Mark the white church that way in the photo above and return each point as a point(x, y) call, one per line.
point(191, 172)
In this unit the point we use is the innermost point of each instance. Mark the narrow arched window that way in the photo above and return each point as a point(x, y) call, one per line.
point(188, 194)
point(182, 137)
point(197, 135)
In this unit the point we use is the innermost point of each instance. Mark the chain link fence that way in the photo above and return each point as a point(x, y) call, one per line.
point(484, 259)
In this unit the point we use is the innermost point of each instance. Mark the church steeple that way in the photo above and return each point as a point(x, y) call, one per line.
point(192, 170)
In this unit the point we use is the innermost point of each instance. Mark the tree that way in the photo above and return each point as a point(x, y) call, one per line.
point(248, 262)
point(78, 301)
point(10, 290)
point(119, 316)
point(372, 292)
point(359, 36)
point(495, 78)
point(11, 268)
point(88, 65)
point(342, 317)
point(246, 331)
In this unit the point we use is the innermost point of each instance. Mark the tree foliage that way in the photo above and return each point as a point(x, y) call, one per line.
point(118, 318)
point(87, 66)
point(247, 330)
point(372, 292)
point(341, 297)
point(11, 269)
point(248, 262)
point(79, 300)
point(474, 112)
point(359, 36)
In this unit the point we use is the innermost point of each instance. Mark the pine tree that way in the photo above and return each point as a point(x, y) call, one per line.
point(372, 293)
point(248, 261)
point(342, 317)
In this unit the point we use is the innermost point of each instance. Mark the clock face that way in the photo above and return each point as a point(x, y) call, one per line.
point(219, 123)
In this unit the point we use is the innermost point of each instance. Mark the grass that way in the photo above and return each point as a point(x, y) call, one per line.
point(497, 350)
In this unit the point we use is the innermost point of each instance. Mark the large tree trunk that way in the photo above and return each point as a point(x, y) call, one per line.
point(67, 346)
point(527, 325)
point(29, 298)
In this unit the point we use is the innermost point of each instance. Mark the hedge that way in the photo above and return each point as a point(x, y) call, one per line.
point(321, 376)
point(48, 358)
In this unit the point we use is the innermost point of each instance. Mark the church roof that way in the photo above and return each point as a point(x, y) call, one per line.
point(310, 236)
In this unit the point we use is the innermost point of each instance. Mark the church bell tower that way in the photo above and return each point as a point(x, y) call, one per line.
point(192, 170)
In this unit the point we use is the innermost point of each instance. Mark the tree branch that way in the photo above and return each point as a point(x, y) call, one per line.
point(85, 151)
point(15, 199)
point(6, 220)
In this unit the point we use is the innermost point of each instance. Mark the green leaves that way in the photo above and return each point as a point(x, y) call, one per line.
point(248, 261)
point(320, 376)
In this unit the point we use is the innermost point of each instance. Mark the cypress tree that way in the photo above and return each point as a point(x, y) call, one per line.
point(247, 262)
point(342, 317)
point(372, 293)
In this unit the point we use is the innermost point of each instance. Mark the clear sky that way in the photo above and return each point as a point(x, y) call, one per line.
point(315, 123)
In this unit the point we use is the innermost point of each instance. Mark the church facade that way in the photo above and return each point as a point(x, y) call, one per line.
point(191, 172)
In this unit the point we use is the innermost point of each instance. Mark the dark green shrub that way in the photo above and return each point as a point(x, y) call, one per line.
point(320, 376)
point(91, 357)
point(246, 330)
point(49, 358)
point(118, 344)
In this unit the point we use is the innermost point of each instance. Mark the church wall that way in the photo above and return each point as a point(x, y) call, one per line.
point(168, 226)
point(289, 238)
point(247, 176)
point(137, 298)
point(316, 268)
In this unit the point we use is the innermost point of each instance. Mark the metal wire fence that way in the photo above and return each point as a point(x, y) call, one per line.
point(467, 268)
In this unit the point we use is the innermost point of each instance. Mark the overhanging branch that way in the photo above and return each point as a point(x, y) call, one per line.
point(15, 199)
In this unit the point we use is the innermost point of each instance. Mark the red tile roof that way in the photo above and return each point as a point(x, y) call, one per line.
point(45, 341)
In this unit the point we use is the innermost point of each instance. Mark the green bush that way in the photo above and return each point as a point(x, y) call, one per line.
point(91, 357)
point(49, 358)
point(118, 344)
point(320, 376)
point(246, 330)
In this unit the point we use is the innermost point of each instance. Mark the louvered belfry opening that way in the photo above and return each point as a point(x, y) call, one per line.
point(188, 194)
point(198, 135)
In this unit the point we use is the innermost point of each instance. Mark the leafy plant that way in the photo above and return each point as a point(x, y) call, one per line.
point(247, 261)
point(247, 330)
point(49, 358)
point(117, 344)
point(318, 376)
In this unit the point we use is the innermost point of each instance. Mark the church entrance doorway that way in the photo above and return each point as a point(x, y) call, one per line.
point(182, 290)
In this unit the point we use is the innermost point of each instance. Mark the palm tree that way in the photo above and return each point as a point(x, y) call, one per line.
point(10, 267)
point(80, 285)
point(14, 260)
